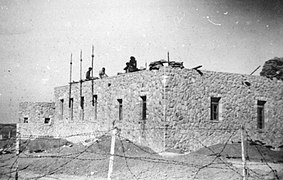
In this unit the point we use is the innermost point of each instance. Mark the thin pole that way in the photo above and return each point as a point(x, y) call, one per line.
point(70, 88)
point(243, 144)
point(255, 70)
point(112, 151)
point(92, 60)
point(81, 82)
point(17, 149)
point(168, 57)
point(81, 62)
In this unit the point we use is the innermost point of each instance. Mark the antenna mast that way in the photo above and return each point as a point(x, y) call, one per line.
point(81, 62)
point(168, 57)
point(255, 70)
point(70, 89)
point(81, 86)
point(92, 59)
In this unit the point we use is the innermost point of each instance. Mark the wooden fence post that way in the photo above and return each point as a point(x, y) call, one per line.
point(243, 144)
point(112, 151)
point(17, 149)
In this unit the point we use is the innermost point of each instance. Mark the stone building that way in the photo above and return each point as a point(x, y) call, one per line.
point(36, 118)
point(165, 109)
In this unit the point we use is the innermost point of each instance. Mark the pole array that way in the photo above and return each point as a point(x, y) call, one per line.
point(92, 60)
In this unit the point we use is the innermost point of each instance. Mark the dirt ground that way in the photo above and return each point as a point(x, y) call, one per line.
point(131, 161)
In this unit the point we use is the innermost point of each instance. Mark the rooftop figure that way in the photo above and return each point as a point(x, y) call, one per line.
point(102, 73)
point(88, 73)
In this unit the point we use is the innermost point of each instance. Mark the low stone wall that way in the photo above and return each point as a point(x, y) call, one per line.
point(34, 130)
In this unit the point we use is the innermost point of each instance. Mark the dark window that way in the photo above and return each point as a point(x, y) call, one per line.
point(260, 114)
point(82, 102)
point(46, 120)
point(82, 107)
point(25, 119)
point(72, 108)
point(94, 103)
point(120, 101)
point(143, 108)
point(61, 108)
point(214, 108)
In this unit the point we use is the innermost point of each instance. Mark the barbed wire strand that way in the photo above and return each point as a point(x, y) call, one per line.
point(76, 155)
point(216, 157)
point(263, 158)
point(123, 149)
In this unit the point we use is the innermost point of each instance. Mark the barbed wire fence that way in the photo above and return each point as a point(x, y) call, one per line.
point(127, 156)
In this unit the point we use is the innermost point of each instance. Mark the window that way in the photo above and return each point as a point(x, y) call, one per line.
point(25, 119)
point(260, 114)
point(82, 107)
point(61, 108)
point(143, 108)
point(46, 120)
point(94, 104)
point(71, 108)
point(214, 108)
point(82, 102)
point(120, 101)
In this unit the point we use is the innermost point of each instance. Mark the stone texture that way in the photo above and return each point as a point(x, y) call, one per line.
point(178, 108)
point(189, 108)
point(36, 112)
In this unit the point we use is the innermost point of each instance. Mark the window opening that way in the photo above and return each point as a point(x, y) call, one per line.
point(120, 101)
point(143, 107)
point(61, 108)
point(94, 103)
point(46, 120)
point(25, 119)
point(260, 114)
point(72, 108)
point(82, 102)
point(214, 108)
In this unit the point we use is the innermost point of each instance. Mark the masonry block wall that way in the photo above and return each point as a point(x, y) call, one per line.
point(99, 112)
point(169, 108)
point(36, 119)
point(188, 108)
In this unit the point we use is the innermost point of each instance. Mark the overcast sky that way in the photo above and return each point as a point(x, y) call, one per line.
point(37, 38)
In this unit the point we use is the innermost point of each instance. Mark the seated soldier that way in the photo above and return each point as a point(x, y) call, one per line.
point(102, 73)
point(88, 75)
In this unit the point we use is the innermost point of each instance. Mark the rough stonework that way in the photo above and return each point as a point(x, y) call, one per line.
point(130, 88)
point(178, 114)
point(188, 110)
point(36, 119)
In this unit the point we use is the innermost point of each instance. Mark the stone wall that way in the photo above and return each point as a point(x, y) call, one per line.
point(127, 87)
point(188, 97)
point(177, 108)
point(35, 123)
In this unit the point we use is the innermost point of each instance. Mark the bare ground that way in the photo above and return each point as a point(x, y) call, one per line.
point(219, 162)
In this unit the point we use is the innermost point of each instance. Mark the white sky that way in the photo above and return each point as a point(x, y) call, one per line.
point(38, 37)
